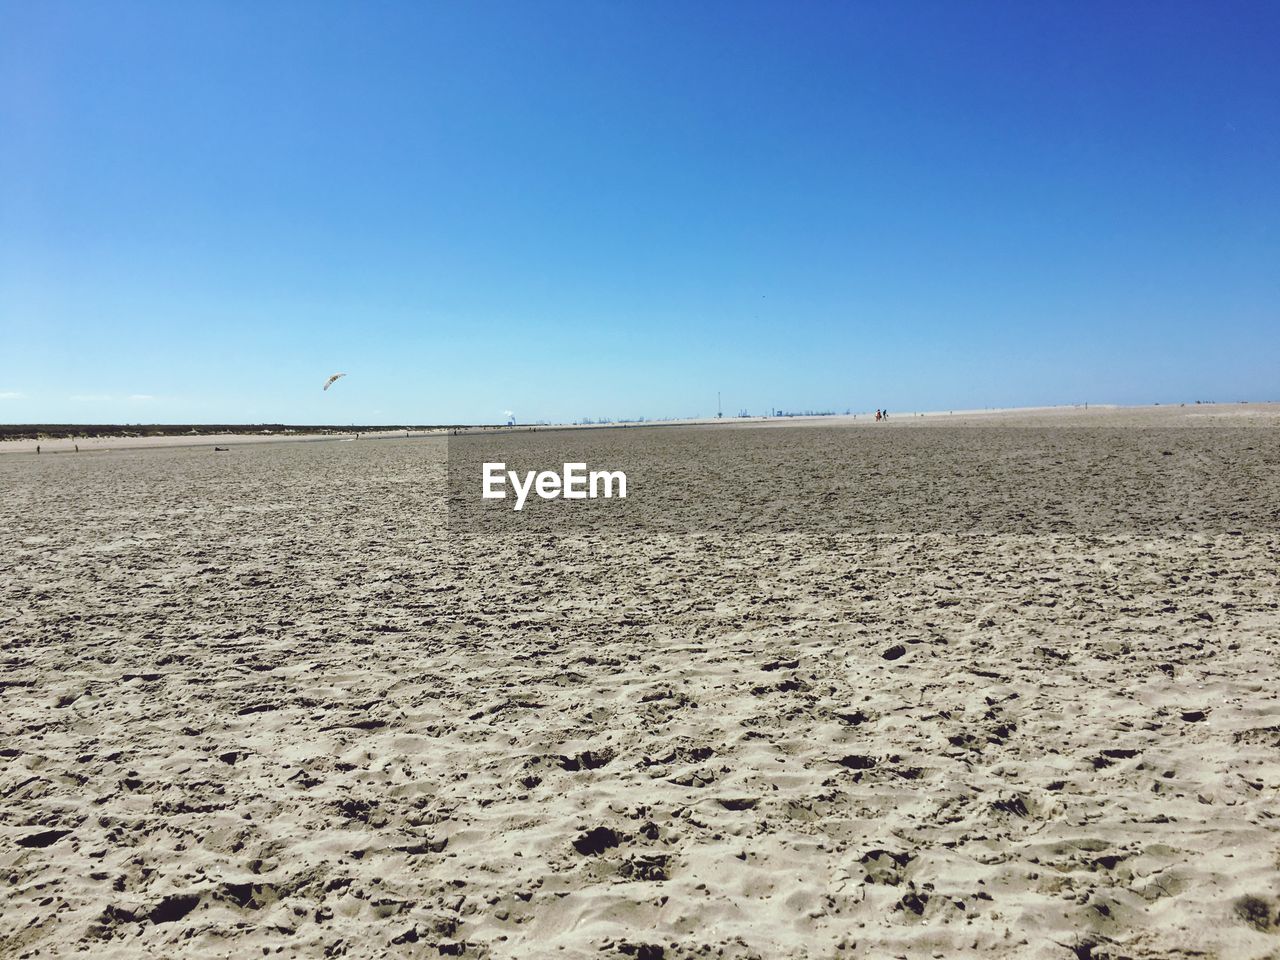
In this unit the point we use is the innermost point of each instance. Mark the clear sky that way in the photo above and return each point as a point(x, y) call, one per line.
point(617, 209)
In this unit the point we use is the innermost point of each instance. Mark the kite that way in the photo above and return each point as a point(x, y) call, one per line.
point(330, 382)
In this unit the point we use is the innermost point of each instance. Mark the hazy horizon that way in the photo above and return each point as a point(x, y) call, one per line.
point(606, 419)
point(573, 210)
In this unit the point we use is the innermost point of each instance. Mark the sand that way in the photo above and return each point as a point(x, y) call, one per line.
point(271, 702)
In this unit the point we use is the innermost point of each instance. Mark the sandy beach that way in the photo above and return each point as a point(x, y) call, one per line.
point(270, 702)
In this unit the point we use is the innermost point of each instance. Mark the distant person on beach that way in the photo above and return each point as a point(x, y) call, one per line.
point(877, 414)
point(37, 449)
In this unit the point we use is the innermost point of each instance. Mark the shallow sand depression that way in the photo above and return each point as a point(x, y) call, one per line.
point(272, 701)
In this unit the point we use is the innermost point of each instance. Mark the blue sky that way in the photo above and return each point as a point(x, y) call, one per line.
point(617, 209)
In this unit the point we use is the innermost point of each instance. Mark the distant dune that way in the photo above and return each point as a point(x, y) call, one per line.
point(53, 431)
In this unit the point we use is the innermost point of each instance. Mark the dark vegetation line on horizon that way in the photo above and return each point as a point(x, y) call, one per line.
point(59, 431)
point(77, 431)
